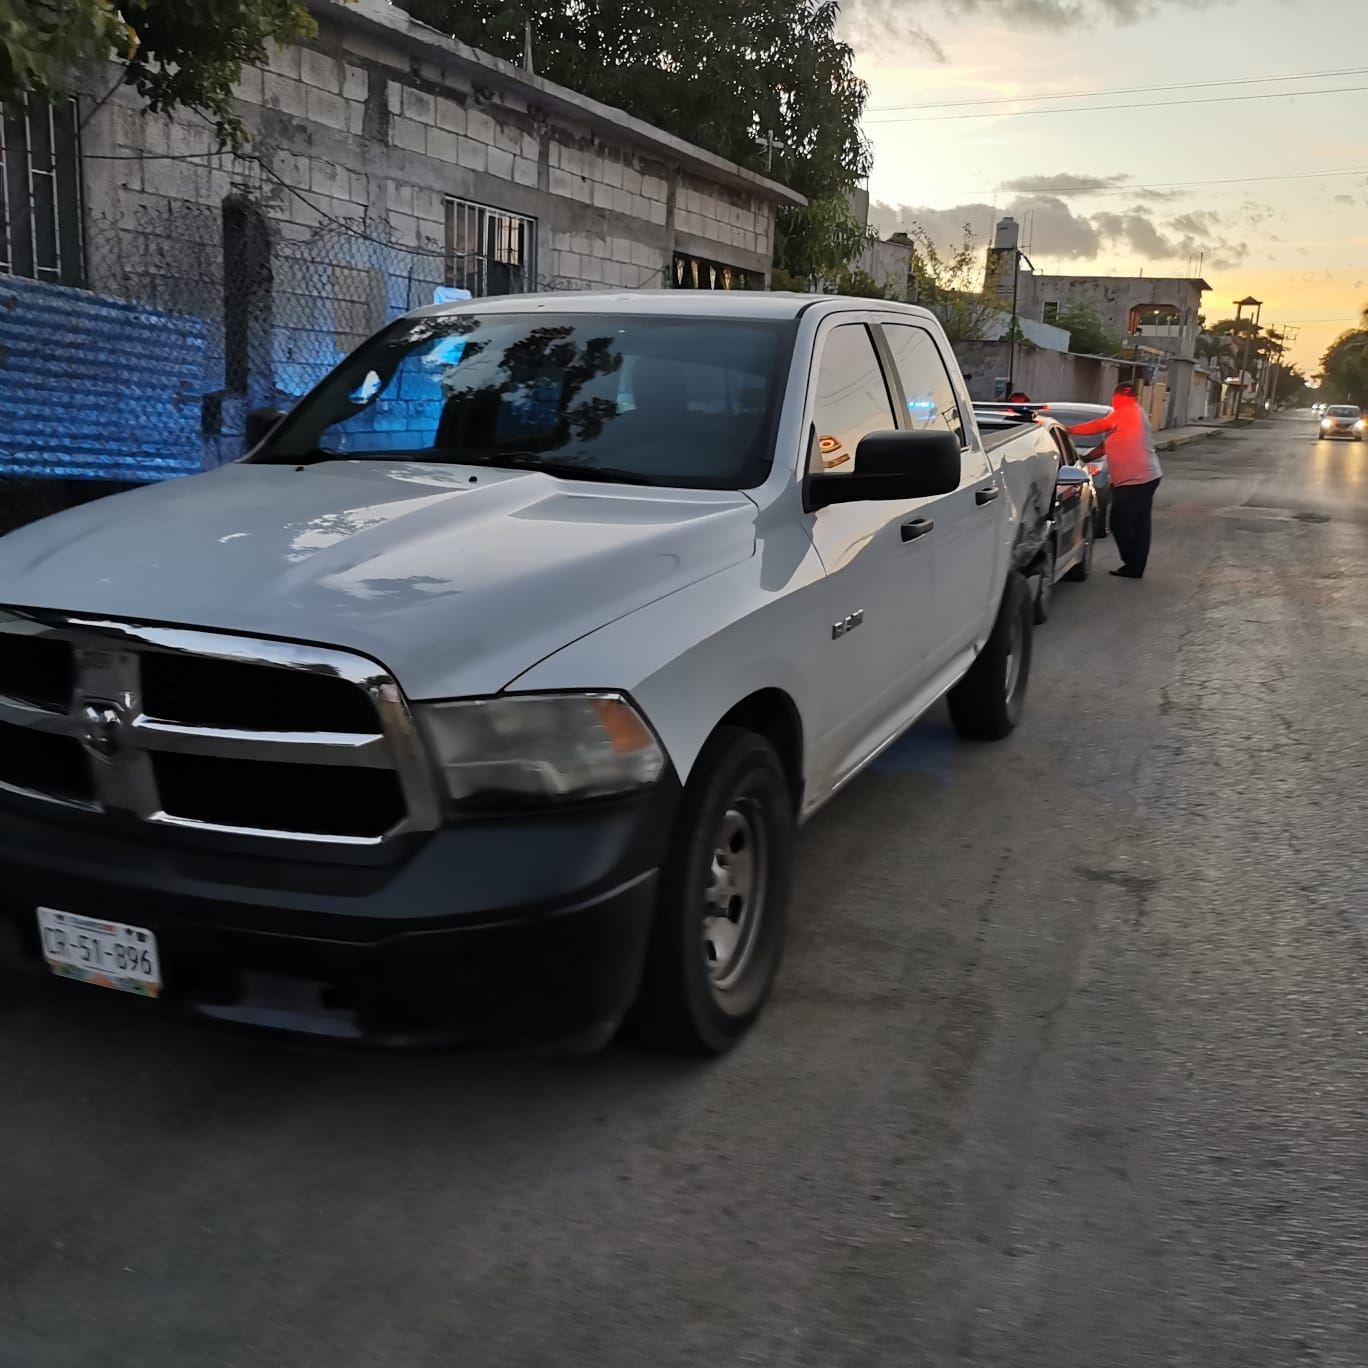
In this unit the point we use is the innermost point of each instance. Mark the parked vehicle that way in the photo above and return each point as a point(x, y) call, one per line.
point(1093, 452)
point(482, 699)
point(1343, 420)
point(1062, 545)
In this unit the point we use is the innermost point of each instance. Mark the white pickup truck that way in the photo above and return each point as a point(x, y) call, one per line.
point(482, 699)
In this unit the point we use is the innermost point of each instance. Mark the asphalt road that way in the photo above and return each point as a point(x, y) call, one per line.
point(1068, 1065)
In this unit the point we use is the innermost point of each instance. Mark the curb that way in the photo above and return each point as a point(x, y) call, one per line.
point(1186, 440)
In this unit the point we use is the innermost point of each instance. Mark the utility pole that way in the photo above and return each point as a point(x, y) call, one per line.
point(1018, 256)
point(1240, 306)
point(771, 144)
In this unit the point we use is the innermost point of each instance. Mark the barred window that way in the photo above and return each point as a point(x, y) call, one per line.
point(1051, 311)
point(489, 251)
point(40, 192)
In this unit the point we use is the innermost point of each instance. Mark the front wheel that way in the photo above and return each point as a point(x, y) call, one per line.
point(986, 704)
point(719, 929)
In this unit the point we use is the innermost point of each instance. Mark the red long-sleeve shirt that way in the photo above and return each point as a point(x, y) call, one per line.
point(1131, 458)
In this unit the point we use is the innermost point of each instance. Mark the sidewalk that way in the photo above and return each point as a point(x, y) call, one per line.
point(1173, 438)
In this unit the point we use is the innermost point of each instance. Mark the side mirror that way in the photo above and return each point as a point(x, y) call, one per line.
point(892, 465)
point(261, 422)
point(1073, 475)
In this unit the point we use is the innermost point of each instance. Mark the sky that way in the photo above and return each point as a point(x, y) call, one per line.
point(1264, 197)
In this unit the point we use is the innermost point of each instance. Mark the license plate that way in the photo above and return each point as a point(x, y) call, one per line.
point(107, 954)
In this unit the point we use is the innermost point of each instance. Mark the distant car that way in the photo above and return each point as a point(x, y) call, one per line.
point(1343, 420)
point(1318, 409)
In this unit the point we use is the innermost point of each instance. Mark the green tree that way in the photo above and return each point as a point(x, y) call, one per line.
point(1344, 367)
point(1217, 350)
point(950, 284)
point(174, 53)
point(769, 86)
point(1088, 332)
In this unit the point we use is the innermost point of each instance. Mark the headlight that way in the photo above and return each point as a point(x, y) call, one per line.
point(1325, 422)
point(540, 748)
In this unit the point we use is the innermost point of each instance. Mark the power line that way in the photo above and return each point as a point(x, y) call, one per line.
point(1121, 90)
point(1143, 104)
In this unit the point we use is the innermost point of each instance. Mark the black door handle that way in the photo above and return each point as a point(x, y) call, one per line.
point(918, 527)
point(986, 496)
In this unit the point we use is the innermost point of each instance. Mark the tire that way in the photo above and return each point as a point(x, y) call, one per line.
point(986, 704)
point(1044, 595)
point(703, 988)
point(1081, 569)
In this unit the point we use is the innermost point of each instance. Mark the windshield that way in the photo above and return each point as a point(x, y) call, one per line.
point(1343, 411)
point(667, 401)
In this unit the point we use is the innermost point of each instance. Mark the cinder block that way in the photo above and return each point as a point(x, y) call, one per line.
point(317, 69)
point(394, 97)
point(355, 83)
point(500, 163)
point(479, 126)
point(282, 93)
point(524, 171)
point(450, 115)
point(249, 88)
point(444, 146)
point(399, 197)
point(473, 155)
point(409, 135)
point(326, 109)
point(419, 105)
point(284, 61)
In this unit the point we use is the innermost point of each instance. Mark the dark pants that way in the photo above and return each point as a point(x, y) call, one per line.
point(1131, 510)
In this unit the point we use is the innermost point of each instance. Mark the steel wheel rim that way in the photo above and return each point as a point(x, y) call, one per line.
point(1011, 671)
point(734, 900)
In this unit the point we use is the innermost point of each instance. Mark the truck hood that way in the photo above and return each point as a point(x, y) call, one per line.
point(456, 579)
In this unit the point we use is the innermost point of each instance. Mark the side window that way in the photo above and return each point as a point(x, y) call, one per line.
point(852, 398)
point(1067, 454)
point(931, 402)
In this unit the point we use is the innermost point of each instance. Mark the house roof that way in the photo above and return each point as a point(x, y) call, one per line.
point(383, 20)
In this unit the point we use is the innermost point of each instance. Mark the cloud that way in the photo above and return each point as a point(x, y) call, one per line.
point(881, 25)
point(1065, 183)
point(1055, 230)
point(1159, 196)
point(1345, 199)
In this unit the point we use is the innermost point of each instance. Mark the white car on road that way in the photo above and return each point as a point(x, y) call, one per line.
point(482, 700)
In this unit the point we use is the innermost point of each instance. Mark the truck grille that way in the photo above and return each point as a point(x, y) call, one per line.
point(209, 732)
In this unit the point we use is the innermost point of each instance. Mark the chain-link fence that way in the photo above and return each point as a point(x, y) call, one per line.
point(190, 315)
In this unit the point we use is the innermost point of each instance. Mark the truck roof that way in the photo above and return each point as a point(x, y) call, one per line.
point(735, 304)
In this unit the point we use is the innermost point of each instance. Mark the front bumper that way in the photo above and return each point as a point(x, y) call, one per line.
point(519, 931)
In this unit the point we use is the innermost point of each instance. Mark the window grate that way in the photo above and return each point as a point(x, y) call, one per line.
point(489, 251)
point(40, 192)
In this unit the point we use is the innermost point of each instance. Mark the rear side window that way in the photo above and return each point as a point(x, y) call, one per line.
point(852, 398)
point(931, 402)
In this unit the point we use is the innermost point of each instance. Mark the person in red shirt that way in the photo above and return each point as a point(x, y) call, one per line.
point(1135, 476)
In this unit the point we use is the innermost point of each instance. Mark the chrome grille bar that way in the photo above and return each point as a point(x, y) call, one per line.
point(106, 717)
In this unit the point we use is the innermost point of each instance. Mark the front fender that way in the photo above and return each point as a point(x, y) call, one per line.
point(689, 659)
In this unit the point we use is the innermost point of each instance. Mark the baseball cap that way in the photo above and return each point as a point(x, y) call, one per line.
point(1126, 388)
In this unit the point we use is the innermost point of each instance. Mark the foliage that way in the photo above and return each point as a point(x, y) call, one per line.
point(1217, 349)
point(722, 75)
point(1344, 368)
point(950, 284)
point(813, 249)
point(1088, 333)
point(175, 53)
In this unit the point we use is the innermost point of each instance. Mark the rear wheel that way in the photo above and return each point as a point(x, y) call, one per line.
point(986, 704)
point(719, 929)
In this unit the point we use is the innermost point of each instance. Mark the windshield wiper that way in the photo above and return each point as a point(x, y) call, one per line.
point(566, 470)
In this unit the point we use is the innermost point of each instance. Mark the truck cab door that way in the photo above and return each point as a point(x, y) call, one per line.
point(969, 552)
point(877, 598)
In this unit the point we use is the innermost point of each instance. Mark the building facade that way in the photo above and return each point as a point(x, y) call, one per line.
point(155, 287)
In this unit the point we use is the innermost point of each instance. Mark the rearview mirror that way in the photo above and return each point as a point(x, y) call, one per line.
point(1072, 475)
point(892, 465)
point(261, 422)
